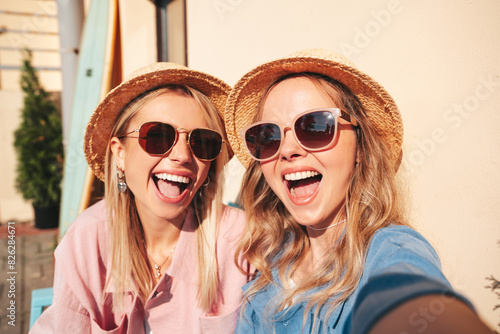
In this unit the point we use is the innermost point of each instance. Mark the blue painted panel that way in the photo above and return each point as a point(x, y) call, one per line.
point(91, 75)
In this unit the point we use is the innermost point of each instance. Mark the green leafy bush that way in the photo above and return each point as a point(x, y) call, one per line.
point(38, 142)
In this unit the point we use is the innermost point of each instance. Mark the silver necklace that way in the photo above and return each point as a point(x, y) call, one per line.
point(325, 228)
point(158, 267)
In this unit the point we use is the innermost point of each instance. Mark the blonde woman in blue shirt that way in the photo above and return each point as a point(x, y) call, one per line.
point(326, 225)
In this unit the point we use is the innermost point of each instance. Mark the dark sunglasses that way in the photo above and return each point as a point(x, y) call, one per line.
point(157, 139)
point(314, 130)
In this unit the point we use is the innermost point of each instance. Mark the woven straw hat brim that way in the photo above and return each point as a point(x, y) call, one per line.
point(98, 131)
point(248, 92)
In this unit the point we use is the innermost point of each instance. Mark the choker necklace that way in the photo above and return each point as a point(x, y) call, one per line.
point(158, 267)
point(325, 228)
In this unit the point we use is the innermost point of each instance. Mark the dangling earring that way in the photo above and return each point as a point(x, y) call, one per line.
point(207, 182)
point(122, 185)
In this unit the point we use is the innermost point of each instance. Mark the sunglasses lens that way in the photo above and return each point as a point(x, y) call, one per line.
point(205, 144)
point(316, 129)
point(156, 138)
point(263, 140)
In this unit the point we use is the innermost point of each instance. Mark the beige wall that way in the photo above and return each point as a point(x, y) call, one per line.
point(138, 34)
point(441, 62)
point(12, 206)
point(33, 35)
point(38, 32)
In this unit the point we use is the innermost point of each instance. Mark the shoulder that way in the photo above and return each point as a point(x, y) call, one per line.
point(93, 217)
point(85, 244)
point(400, 265)
point(230, 213)
point(232, 222)
point(401, 248)
point(400, 236)
point(397, 237)
point(89, 227)
point(231, 228)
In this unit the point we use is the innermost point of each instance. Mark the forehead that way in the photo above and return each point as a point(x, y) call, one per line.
point(180, 110)
point(292, 97)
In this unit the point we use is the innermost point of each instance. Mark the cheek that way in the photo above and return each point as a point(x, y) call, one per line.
point(203, 168)
point(343, 164)
point(266, 171)
point(339, 169)
point(138, 164)
point(342, 156)
point(273, 179)
point(137, 170)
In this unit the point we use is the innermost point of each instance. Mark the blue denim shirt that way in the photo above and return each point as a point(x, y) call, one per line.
point(400, 264)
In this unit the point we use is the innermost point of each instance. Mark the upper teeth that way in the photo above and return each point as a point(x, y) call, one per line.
point(300, 175)
point(173, 178)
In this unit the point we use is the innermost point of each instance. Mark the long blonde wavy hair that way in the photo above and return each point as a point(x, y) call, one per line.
point(275, 241)
point(130, 269)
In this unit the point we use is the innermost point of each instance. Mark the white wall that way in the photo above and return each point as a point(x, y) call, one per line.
point(441, 62)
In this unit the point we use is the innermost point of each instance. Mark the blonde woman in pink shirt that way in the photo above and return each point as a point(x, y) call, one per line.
point(157, 254)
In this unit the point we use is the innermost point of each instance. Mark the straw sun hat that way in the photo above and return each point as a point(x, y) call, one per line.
point(98, 132)
point(248, 91)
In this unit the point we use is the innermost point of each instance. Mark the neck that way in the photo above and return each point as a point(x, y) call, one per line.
point(160, 235)
point(321, 244)
point(323, 240)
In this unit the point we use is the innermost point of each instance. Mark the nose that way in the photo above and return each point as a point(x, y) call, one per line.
point(290, 149)
point(181, 152)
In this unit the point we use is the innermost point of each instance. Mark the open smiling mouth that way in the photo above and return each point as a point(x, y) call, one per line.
point(303, 185)
point(171, 185)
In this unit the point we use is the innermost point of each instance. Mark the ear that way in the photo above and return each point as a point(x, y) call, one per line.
point(119, 152)
point(358, 145)
point(357, 154)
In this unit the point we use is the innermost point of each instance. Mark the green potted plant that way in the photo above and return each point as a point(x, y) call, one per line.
point(39, 146)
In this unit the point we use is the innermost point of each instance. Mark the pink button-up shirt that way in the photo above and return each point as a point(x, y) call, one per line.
point(82, 261)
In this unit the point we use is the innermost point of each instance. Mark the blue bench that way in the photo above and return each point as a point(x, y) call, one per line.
point(40, 298)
